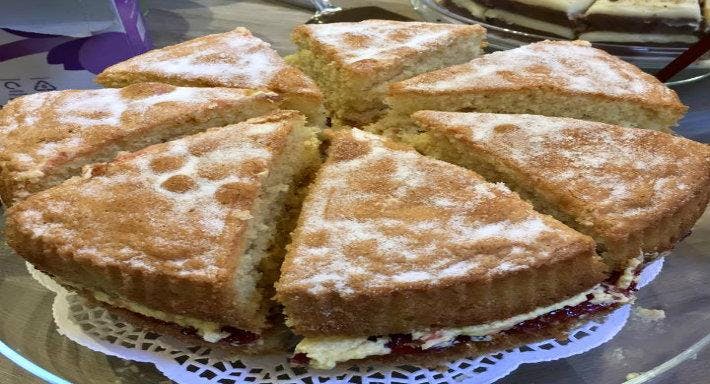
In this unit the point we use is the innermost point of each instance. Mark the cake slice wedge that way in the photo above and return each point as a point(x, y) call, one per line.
point(181, 233)
point(396, 254)
point(551, 78)
point(632, 190)
point(235, 59)
point(643, 21)
point(354, 62)
point(47, 137)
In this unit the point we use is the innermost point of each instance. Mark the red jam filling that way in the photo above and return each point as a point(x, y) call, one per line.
point(299, 359)
point(236, 336)
point(402, 344)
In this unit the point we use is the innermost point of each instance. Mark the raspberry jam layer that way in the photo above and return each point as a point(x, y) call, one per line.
point(613, 292)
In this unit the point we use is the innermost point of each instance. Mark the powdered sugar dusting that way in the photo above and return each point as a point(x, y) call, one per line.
point(61, 124)
point(91, 108)
point(620, 173)
point(26, 109)
point(201, 199)
point(573, 66)
point(171, 205)
point(381, 40)
point(391, 216)
point(235, 59)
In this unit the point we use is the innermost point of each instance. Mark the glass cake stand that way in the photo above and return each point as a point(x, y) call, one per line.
point(648, 57)
point(673, 349)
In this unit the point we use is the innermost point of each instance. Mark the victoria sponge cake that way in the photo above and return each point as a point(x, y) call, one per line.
point(392, 242)
point(235, 59)
point(551, 78)
point(47, 137)
point(354, 62)
point(632, 190)
point(181, 232)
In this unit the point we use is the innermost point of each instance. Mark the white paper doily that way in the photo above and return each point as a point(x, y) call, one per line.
point(95, 328)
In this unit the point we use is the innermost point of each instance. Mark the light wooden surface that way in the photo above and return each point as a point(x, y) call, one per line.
point(171, 21)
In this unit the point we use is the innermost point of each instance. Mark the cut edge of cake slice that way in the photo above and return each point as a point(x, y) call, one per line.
point(353, 62)
point(221, 295)
point(360, 279)
point(48, 137)
point(628, 215)
point(552, 78)
point(235, 59)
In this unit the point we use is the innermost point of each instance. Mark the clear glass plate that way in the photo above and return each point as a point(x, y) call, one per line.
point(648, 57)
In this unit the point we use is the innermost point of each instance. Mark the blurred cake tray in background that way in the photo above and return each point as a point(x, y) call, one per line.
point(507, 30)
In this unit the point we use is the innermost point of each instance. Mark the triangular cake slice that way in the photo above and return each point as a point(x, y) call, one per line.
point(391, 243)
point(551, 78)
point(354, 62)
point(180, 232)
point(47, 137)
point(630, 189)
point(234, 59)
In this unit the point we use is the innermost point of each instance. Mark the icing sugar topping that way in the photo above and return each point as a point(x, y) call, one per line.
point(378, 216)
point(575, 66)
point(381, 40)
point(234, 58)
point(107, 106)
point(60, 124)
point(175, 205)
point(621, 172)
point(191, 193)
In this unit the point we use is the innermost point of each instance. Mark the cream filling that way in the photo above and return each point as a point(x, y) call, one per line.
point(475, 9)
point(208, 330)
point(326, 352)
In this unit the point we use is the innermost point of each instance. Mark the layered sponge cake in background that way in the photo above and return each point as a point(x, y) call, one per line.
point(634, 22)
point(551, 78)
point(235, 59)
point(46, 138)
point(393, 242)
point(353, 62)
point(632, 190)
point(181, 231)
point(554, 17)
point(643, 21)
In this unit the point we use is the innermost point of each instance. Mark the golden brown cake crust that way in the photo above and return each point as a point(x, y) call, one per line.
point(567, 67)
point(231, 59)
point(368, 47)
point(277, 339)
point(390, 241)
point(162, 226)
point(634, 188)
point(44, 133)
point(499, 342)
